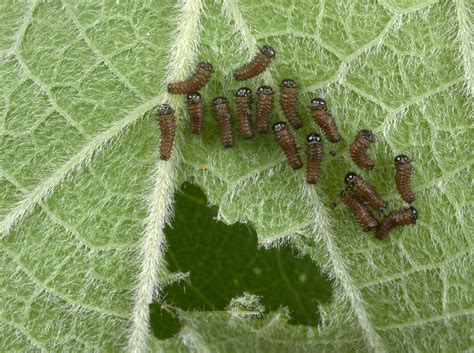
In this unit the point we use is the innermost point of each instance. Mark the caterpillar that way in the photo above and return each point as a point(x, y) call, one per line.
point(264, 107)
point(358, 149)
point(257, 65)
point(195, 106)
point(324, 119)
point(195, 82)
point(360, 212)
point(287, 143)
point(288, 102)
point(220, 108)
point(167, 123)
point(405, 216)
point(364, 191)
point(315, 156)
point(243, 102)
point(403, 171)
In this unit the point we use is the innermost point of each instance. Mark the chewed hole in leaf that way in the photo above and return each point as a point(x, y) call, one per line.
point(225, 261)
point(164, 323)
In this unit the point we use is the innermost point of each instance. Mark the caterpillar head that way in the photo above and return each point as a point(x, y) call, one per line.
point(413, 214)
point(265, 90)
point(288, 83)
point(279, 126)
point(193, 97)
point(268, 51)
point(164, 109)
point(318, 103)
point(243, 92)
point(313, 139)
point(368, 135)
point(401, 159)
point(350, 178)
point(206, 66)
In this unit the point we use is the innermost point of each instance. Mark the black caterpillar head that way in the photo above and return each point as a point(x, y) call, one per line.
point(206, 66)
point(368, 135)
point(279, 126)
point(318, 103)
point(219, 100)
point(265, 90)
point(288, 83)
point(267, 51)
point(401, 159)
point(164, 109)
point(243, 92)
point(194, 97)
point(313, 138)
point(413, 214)
point(350, 178)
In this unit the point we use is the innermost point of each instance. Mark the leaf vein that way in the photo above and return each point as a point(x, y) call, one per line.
point(98, 53)
point(24, 332)
point(152, 247)
point(413, 8)
point(415, 269)
point(52, 291)
point(16, 52)
point(466, 40)
point(423, 321)
point(337, 267)
point(83, 158)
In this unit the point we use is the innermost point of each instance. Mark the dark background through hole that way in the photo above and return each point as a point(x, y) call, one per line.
point(224, 261)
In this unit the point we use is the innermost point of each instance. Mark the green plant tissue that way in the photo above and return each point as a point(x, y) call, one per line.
point(85, 199)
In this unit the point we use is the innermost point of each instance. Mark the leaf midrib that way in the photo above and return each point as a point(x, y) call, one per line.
point(92, 152)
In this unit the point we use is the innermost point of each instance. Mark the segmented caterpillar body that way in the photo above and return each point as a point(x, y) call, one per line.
point(243, 102)
point(220, 108)
point(324, 119)
point(167, 124)
point(286, 141)
point(195, 82)
point(257, 65)
point(403, 170)
point(264, 107)
point(289, 101)
point(358, 149)
point(405, 216)
point(360, 212)
point(315, 156)
point(364, 191)
point(195, 107)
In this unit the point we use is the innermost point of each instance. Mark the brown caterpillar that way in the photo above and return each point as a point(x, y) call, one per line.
point(364, 191)
point(324, 119)
point(287, 143)
point(243, 103)
point(167, 128)
point(195, 106)
point(288, 102)
point(403, 217)
point(195, 82)
point(403, 171)
point(315, 156)
point(257, 65)
point(360, 212)
point(358, 149)
point(221, 110)
point(264, 107)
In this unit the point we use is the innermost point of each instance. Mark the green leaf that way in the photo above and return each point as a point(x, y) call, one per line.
point(223, 262)
point(85, 200)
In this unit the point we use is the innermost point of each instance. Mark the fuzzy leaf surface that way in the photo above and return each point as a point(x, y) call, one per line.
point(78, 149)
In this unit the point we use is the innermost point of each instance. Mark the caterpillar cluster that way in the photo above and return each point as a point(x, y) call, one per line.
point(358, 194)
